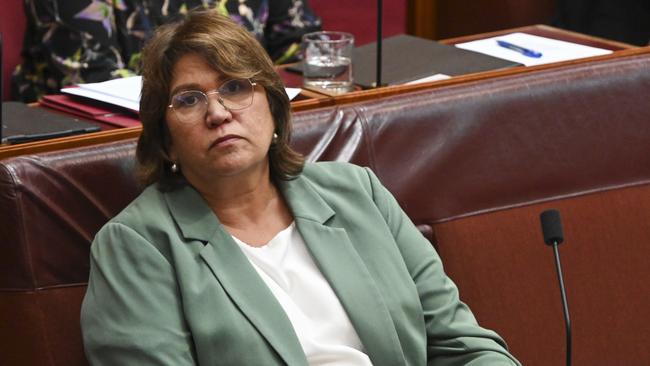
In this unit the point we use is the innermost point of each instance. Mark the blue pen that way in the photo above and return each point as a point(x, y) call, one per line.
point(524, 51)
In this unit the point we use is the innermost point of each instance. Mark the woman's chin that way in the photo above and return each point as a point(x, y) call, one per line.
point(233, 166)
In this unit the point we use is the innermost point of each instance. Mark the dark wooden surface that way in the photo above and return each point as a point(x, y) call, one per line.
point(441, 19)
point(311, 100)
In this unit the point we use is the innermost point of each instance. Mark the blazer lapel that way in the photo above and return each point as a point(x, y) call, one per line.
point(235, 273)
point(346, 272)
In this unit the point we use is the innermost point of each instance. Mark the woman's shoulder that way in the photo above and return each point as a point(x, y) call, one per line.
point(338, 176)
point(147, 219)
point(333, 170)
point(148, 207)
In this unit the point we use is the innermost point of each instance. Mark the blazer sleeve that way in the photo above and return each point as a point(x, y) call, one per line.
point(453, 335)
point(131, 314)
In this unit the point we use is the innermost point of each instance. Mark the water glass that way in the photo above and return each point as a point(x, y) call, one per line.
point(327, 62)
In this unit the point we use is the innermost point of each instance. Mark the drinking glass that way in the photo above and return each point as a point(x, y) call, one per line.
point(327, 62)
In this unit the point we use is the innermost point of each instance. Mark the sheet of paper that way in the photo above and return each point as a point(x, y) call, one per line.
point(292, 92)
point(552, 50)
point(125, 92)
point(103, 97)
point(434, 77)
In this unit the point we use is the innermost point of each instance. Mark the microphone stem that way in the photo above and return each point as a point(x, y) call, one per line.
point(565, 305)
point(379, 41)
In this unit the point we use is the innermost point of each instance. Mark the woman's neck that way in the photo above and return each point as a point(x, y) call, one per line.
point(246, 191)
point(250, 206)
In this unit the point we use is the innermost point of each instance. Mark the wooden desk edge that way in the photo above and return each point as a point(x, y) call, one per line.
point(119, 134)
point(70, 142)
point(353, 97)
point(364, 95)
point(586, 37)
point(602, 42)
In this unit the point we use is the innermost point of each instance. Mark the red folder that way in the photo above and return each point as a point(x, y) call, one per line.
point(92, 111)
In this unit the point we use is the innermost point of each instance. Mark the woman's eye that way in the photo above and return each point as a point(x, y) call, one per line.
point(187, 100)
point(232, 87)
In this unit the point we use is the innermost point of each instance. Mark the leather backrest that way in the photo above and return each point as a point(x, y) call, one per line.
point(505, 142)
point(478, 162)
point(52, 205)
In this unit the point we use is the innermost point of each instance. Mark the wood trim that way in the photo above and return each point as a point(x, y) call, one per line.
point(119, 134)
point(587, 39)
point(550, 32)
point(365, 95)
point(70, 142)
point(421, 18)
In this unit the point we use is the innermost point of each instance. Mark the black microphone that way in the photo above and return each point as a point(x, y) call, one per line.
point(552, 230)
point(379, 39)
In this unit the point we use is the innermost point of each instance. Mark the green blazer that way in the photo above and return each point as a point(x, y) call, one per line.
point(169, 286)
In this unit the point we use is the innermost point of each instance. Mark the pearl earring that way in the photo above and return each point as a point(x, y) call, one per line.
point(275, 137)
point(174, 168)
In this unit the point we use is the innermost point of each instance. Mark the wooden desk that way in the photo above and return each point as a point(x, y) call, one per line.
point(548, 32)
point(311, 100)
point(619, 50)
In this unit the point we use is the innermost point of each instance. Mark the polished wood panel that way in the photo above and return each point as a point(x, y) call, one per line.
point(457, 18)
point(440, 19)
point(421, 14)
point(69, 142)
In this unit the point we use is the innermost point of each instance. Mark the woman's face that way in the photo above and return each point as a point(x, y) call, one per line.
point(224, 143)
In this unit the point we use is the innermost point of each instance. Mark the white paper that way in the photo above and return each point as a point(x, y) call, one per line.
point(552, 50)
point(292, 92)
point(125, 92)
point(434, 77)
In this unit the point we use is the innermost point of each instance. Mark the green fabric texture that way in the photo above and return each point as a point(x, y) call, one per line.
point(169, 286)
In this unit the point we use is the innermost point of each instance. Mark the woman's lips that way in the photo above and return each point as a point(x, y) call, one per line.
point(226, 140)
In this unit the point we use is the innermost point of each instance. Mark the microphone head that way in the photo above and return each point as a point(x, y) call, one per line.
point(552, 227)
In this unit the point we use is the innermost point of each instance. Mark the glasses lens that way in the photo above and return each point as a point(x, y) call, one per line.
point(189, 105)
point(236, 94)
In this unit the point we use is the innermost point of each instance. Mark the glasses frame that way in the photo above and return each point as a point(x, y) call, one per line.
point(207, 95)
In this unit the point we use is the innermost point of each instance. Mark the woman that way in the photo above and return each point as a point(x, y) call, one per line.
point(79, 41)
point(238, 253)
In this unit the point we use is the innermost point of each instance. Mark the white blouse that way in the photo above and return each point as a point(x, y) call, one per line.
point(323, 328)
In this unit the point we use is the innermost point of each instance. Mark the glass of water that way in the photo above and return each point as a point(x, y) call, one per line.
point(327, 62)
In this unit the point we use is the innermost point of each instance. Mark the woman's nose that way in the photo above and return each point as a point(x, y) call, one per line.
point(217, 112)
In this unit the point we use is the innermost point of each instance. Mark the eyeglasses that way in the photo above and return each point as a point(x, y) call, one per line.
point(190, 106)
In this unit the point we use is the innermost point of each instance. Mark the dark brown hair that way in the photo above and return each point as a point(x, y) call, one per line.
point(232, 51)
